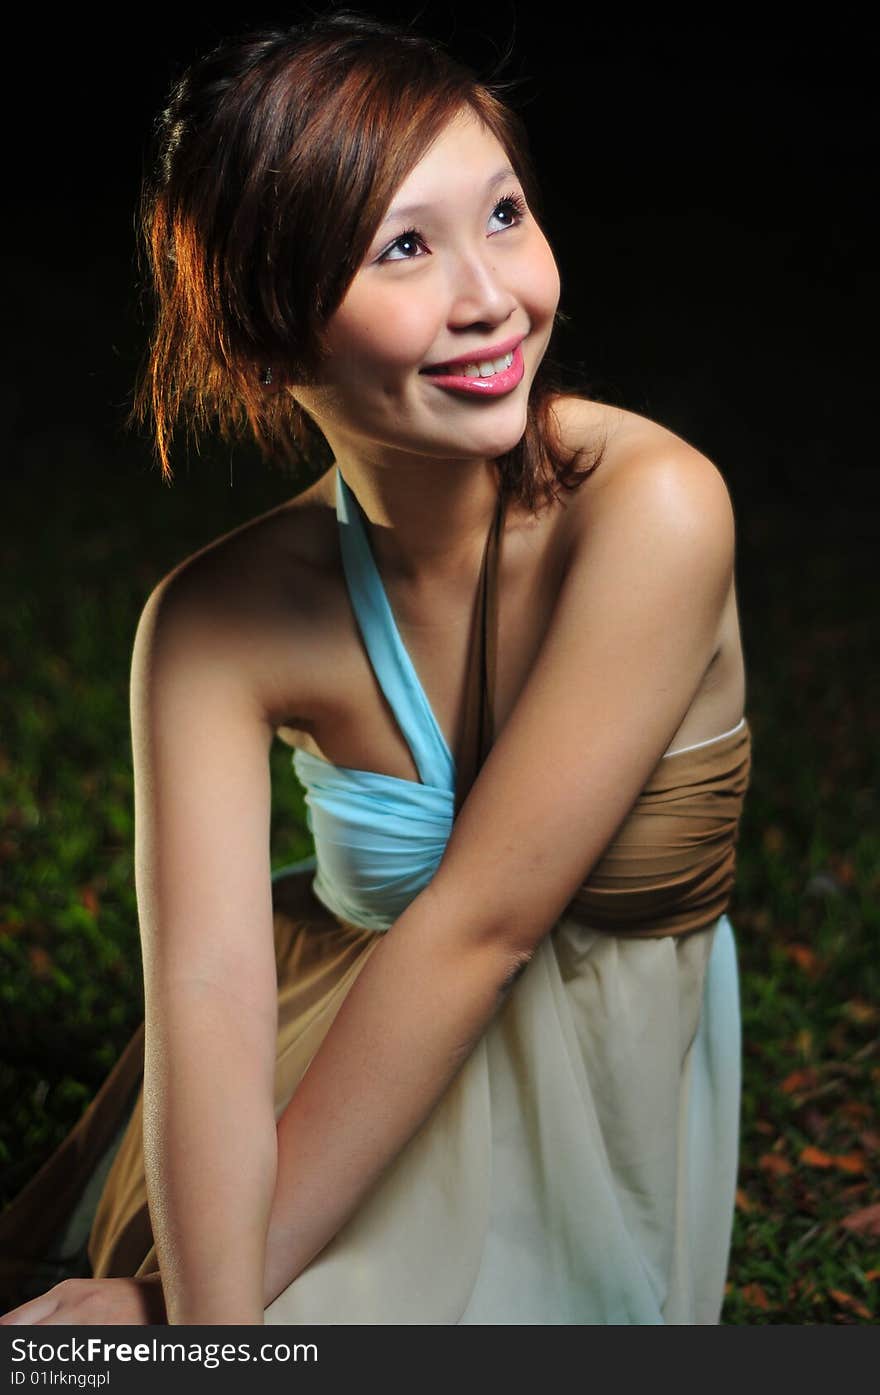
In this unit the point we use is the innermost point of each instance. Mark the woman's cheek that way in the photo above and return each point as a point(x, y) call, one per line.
point(551, 289)
point(411, 328)
point(396, 333)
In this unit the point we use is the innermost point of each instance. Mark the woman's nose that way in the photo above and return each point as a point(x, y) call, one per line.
point(478, 292)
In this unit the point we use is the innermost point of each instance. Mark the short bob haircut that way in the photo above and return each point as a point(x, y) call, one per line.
point(275, 159)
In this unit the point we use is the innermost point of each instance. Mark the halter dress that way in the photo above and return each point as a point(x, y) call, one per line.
point(581, 1166)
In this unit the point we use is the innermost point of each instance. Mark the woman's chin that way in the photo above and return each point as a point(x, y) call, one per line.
point(491, 438)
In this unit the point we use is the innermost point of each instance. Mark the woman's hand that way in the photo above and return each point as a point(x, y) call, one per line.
point(135, 1302)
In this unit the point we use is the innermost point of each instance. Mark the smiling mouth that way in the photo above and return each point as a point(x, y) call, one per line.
point(480, 368)
point(487, 379)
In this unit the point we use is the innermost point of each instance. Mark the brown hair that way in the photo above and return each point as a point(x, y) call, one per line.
point(277, 155)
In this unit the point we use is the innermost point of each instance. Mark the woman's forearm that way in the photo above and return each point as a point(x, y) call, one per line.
point(210, 1153)
point(413, 1016)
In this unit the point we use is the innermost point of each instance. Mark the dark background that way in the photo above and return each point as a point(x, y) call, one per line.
point(709, 192)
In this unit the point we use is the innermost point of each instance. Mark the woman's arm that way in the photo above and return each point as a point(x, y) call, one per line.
point(633, 632)
point(353, 1109)
point(411, 1019)
point(209, 1154)
point(202, 822)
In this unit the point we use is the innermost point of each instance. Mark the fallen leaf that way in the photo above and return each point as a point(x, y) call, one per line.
point(41, 962)
point(814, 1157)
point(855, 1111)
point(870, 1140)
point(805, 958)
point(849, 1162)
point(803, 1288)
point(755, 1296)
point(799, 1080)
point(89, 898)
point(864, 1222)
point(775, 1164)
point(743, 1202)
point(858, 1010)
point(846, 1300)
point(872, 1274)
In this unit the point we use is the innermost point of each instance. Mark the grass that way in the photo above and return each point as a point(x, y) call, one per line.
point(80, 557)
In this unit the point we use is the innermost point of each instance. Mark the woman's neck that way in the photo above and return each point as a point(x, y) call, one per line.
point(428, 519)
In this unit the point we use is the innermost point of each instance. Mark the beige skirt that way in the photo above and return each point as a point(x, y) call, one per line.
point(580, 1168)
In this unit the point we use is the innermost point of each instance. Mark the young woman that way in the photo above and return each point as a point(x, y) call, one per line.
point(478, 1060)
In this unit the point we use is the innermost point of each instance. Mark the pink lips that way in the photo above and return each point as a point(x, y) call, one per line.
point(494, 386)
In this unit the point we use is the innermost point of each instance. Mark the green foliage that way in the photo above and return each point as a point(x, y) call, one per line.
point(805, 911)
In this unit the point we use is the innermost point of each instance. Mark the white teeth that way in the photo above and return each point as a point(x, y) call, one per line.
point(484, 369)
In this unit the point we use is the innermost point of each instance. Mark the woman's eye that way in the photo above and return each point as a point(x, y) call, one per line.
point(514, 210)
point(407, 239)
point(515, 207)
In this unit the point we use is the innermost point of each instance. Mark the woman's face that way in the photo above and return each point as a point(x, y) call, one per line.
point(477, 275)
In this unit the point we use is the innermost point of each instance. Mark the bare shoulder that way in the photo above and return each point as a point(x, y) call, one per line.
point(656, 496)
point(645, 472)
point(584, 422)
point(249, 600)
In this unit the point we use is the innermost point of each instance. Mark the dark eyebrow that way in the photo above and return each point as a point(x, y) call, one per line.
point(406, 211)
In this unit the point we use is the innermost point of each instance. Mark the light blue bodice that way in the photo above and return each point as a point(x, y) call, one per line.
point(378, 838)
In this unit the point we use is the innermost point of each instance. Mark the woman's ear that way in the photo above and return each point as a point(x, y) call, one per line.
point(273, 379)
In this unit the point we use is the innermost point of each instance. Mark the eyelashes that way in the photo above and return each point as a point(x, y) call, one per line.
point(518, 204)
point(513, 200)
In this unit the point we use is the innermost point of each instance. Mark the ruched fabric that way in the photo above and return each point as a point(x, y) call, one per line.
point(671, 867)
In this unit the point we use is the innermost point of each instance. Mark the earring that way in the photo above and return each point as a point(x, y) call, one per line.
point(266, 377)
